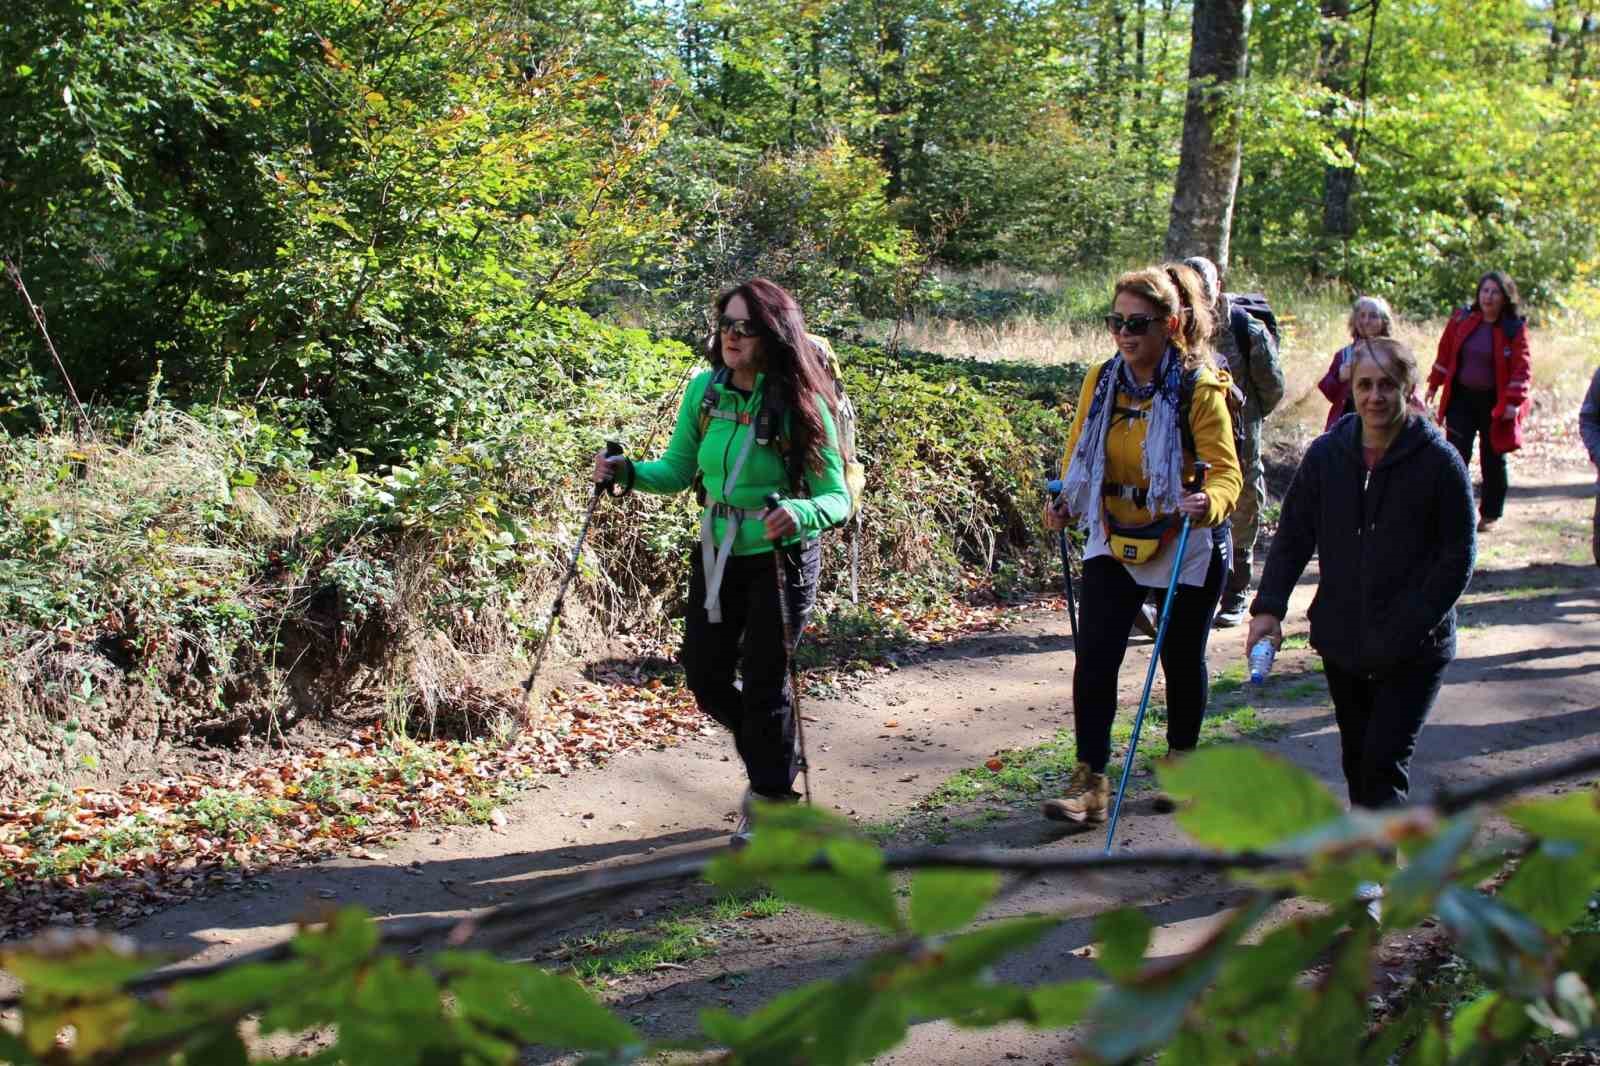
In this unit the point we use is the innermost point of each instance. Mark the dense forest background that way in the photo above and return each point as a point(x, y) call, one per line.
point(316, 307)
point(370, 211)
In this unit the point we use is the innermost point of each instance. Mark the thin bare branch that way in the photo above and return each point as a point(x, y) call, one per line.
point(15, 274)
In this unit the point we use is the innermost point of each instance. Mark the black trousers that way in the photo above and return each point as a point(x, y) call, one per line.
point(1379, 720)
point(1106, 608)
point(1468, 416)
point(749, 639)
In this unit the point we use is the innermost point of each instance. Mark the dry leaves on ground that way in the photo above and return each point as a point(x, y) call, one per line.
point(112, 856)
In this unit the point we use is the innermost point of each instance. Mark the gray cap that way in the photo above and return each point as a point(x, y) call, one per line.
point(1208, 275)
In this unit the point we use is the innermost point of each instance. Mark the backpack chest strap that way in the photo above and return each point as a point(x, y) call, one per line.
point(1138, 495)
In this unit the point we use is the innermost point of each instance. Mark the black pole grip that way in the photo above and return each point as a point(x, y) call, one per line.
point(613, 449)
point(1198, 481)
point(773, 501)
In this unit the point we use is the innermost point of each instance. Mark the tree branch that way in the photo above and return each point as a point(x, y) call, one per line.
point(1454, 801)
point(14, 272)
point(545, 906)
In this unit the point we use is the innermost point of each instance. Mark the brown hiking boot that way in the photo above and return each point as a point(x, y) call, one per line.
point(1086, 800)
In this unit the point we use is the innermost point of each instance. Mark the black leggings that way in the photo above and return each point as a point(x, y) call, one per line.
point(1470, 414)
point(749, 639)
point(1108, 603)
point(1379, 720)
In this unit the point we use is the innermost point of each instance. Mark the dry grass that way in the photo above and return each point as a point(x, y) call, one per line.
point(1566, 346)
point(1027, 338)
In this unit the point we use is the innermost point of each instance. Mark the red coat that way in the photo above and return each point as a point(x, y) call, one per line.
point(1337, 392)
point(1513, 370)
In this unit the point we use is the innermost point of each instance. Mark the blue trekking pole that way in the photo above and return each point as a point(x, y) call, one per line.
point(1155, 655)
point(1055, 487)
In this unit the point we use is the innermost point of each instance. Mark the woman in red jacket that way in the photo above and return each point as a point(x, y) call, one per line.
point(1484, 369)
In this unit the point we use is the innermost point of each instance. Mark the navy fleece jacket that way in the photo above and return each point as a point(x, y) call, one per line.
point(1395, 549)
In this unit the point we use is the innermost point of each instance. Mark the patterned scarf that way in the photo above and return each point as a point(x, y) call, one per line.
point(1162, 464)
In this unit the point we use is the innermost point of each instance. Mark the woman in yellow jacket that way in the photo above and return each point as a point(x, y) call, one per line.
point(1143, 418)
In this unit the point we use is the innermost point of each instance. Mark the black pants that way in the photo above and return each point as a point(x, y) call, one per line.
point(1470, 415)
point(750, 639)
point(1379, 719)
point(1106, 608)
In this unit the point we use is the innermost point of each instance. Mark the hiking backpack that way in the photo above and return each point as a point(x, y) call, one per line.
point(855, 474)
point(1256, 306)
point(770, 426)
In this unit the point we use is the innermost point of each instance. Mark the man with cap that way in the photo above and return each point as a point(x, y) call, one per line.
point(1260, 377)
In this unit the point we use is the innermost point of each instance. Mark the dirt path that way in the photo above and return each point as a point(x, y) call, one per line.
point(1523, 691)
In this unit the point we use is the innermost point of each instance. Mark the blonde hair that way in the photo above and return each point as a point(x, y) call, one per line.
point(1371, 303)
point(1176, 290)
point(1396, 361)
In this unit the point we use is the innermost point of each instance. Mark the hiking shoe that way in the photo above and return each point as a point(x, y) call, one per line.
point(1086, 800)
point(1372, 892)
point(1486, 524)
point(742, 834)
point(1230, 612)
point(746, 828)
point(1145, 621)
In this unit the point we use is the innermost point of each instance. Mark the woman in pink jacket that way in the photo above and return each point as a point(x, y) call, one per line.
point(1484, 370)
point(1370, 317)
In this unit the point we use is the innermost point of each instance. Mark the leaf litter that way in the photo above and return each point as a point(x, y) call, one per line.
point(112, 856)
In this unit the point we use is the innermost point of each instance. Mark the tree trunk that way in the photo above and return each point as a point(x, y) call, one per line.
point(891, 106)
point(1119, 76)
point(1580, 47)
point(1338, 182)
point(1208, 166)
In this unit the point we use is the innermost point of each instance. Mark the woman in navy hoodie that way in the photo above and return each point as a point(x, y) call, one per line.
point(1384, 502)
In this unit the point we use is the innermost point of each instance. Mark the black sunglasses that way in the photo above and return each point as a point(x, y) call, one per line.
point(739, 327)
point(1133, 325)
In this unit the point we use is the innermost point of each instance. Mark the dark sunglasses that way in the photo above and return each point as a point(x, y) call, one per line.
point(1133, 325)
point(739, 327)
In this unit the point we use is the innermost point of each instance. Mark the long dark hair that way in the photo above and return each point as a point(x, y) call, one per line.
point(1507, 286)
point(795, 376)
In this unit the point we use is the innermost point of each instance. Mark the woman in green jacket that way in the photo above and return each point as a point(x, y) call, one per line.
point(761, 420)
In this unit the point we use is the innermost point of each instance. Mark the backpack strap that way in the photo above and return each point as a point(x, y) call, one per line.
point(1186, 384)
point(1239, 322)
point(711, 399)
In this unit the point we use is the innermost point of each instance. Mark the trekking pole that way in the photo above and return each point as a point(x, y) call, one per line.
point(613, 449)
point(791, 642)
point(1155, 655)
point(1055, 488)
point(853, 536)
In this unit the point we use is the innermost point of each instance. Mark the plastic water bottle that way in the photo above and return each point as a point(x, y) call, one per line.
point(1261, 657)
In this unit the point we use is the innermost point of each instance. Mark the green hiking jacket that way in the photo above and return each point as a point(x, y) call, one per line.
point(763, 473)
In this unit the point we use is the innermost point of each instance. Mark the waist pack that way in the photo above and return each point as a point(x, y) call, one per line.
point(1141, 543)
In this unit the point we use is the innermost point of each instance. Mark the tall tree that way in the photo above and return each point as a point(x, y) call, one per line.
point(1208, 164)
point(1339, 179)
